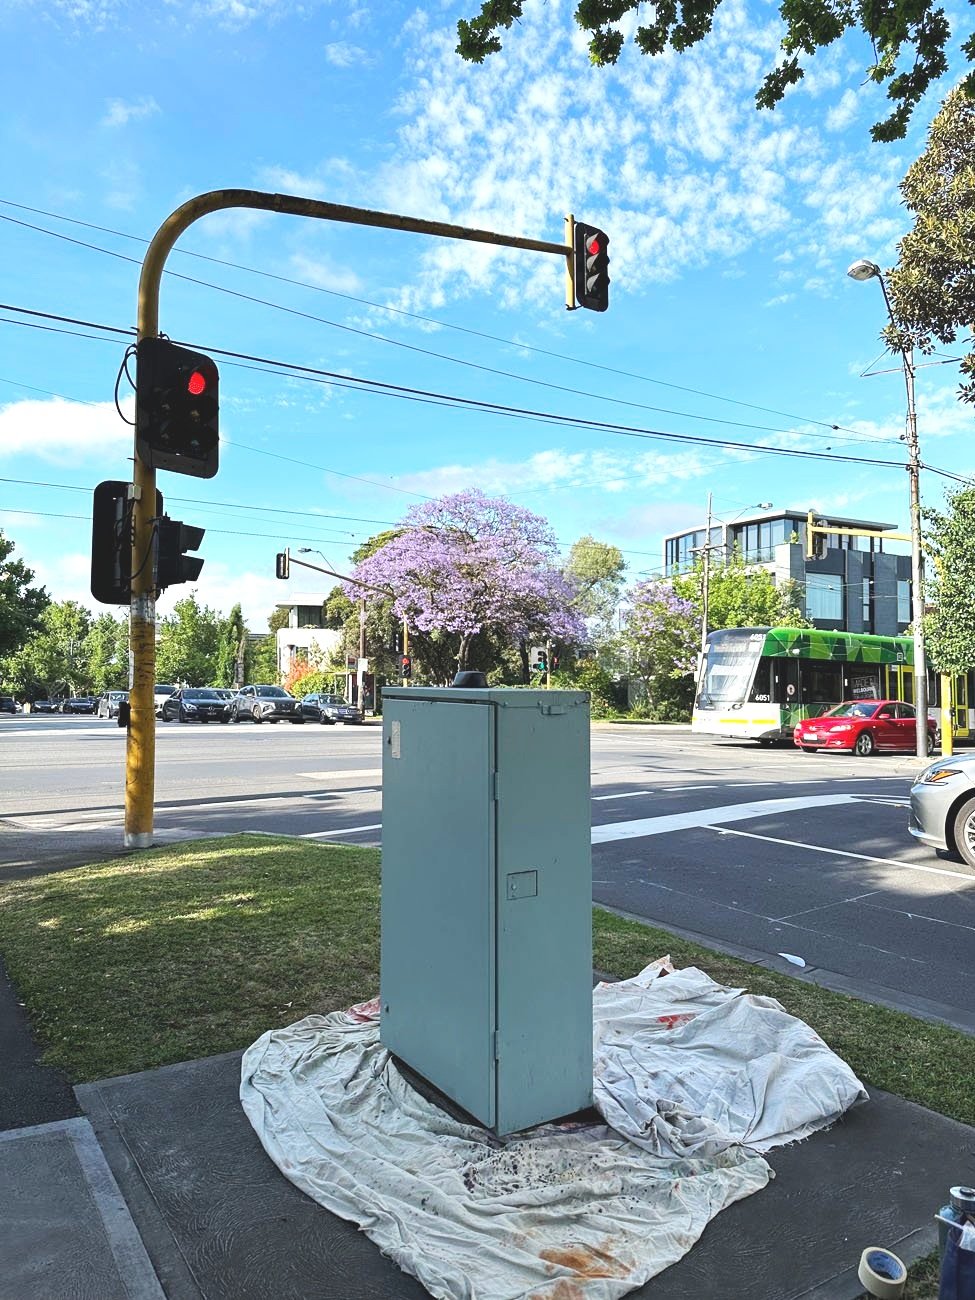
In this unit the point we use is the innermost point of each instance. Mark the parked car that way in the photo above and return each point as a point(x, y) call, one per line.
point(943, 806)
point(864, 727)
point(44, 706)
point(108, 703)
point(161, 693)
point(8, 704)
point(265, 704)
point(329, 709)
point(194, 704)
point(79, 704)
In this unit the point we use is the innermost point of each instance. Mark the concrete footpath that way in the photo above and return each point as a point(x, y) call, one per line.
point(154, 1185)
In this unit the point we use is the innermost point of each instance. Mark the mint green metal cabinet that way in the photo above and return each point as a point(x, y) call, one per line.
point(486, 949)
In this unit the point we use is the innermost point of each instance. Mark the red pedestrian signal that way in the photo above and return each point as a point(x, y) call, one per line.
point(406, 665)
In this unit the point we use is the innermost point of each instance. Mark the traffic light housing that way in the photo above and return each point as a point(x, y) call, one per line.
point(177, 408)
point(173, 540)
point(591, 251)
point(406, 666)
point(282, 564)
point(111, 542)
point(542, 661)
point(815, 542)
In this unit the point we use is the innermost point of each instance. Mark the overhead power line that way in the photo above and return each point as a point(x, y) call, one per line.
point(332, 377)
point(427, 320)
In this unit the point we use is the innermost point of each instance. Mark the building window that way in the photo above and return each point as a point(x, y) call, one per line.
point(824, 597)
point(867, 620)
point(903, 601)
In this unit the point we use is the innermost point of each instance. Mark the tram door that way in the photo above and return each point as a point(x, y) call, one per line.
point(959, 705)
point(899, 682)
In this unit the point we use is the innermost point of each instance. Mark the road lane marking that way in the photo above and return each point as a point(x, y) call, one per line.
point(342, 772)
point(707, 817)
point(844, 853)
point(352, 830)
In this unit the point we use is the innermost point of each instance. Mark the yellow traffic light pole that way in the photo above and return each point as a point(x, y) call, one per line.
point(140, 753)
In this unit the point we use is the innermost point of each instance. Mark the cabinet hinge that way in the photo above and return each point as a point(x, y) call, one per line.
point(497, 1045)
point(496, 786)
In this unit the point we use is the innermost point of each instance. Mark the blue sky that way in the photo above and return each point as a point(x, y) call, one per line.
point(731, 316)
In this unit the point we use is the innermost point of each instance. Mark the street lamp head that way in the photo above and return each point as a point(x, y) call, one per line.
point(863, 270)
point(764, 505)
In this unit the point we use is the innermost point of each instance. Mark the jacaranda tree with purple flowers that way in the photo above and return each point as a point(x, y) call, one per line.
point(662, 635)
point(469, 564)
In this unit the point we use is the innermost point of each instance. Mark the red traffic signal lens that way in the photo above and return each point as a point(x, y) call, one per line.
point(196, 384)
point(593, 246)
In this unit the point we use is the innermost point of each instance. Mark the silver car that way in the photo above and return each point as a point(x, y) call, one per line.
point(943, 806)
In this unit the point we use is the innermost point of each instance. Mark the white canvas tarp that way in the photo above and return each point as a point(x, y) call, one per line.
point(560, 1212)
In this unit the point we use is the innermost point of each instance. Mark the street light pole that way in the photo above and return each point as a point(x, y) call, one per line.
point(865, 270)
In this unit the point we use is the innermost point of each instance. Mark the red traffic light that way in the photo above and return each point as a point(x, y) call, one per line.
point(197, 383)
point(593, 246)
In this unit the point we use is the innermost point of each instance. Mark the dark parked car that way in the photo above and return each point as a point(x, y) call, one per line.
point(44, 706)
point(329, 709)
point(8, 704)
point(79, 704)
point(194, 704)
point(265, 704)
point(109, 702)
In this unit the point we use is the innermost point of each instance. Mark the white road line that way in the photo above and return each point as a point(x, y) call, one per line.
point(352, 830)
point(844, 853)
point(630, 794)
point(735, 812)
point(342, 773)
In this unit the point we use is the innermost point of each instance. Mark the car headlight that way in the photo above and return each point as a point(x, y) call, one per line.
point(940, 774)
point(843, 726)
point(190, 708)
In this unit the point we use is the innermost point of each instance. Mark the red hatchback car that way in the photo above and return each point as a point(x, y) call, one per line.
point(864, 727)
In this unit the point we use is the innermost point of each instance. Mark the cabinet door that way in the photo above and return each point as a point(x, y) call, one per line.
point(438, 896)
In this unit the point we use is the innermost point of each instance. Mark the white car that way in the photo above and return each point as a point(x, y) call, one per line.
point(161, 694)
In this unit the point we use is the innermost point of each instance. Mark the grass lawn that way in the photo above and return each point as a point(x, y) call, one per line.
point(187, 951)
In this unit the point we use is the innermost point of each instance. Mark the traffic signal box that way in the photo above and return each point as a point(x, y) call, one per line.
point(173, 540)
point(406, 666)
point(591, 248)
point(282, 564)
point(111, 542)
point(177, 408)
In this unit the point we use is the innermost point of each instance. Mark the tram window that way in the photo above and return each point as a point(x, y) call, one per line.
point(822, 683)
point(761, 691)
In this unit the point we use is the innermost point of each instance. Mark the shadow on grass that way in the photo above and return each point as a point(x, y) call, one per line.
point(191, 950)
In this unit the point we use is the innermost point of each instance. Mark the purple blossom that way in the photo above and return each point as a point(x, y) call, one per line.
point(468, 562)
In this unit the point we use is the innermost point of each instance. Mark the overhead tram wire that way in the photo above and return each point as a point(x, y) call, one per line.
point(356, 383)
point(54, 234)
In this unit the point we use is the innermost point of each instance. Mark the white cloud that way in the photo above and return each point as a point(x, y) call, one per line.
point(120, 113)
point(841, 115)
point(325, 273)
point(341, 54)
point(668, 154)
point(64, 432)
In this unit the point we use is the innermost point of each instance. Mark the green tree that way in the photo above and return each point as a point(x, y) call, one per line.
point(262, 656)
point(740, 595)
point(950, 630)
point(107, 648)
point(189, 644)
point(21, 604)
point(932, 286)
point(596, 571)
point(55, 657)
point(233, 643)
point(909, 40)
point(661, 633)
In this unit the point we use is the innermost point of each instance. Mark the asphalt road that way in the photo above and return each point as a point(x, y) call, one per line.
point(770, 850)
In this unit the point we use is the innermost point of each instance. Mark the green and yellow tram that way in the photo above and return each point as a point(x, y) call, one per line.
point(758, 682)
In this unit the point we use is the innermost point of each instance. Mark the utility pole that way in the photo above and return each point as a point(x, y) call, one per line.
point(706, 581)
point(865, 270)
point(140, 752)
